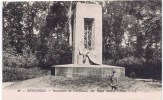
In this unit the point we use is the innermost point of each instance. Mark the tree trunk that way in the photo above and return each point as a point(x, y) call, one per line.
point(69, 24)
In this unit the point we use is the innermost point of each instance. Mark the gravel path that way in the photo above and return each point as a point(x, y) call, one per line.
point(6, 84)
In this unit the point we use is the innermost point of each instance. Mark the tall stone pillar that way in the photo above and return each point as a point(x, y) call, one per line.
point(94, 13)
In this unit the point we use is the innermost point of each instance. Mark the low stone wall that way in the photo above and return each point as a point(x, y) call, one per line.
point(87, 70)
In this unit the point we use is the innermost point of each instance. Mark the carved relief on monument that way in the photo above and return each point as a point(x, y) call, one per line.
point(88, 32)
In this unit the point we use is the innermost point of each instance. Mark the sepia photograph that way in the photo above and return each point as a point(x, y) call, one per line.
point(82, 46)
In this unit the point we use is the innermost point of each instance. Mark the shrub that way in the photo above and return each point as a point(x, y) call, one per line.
point(141, 68)
point(131, 62)
point(17, 60)
point(29, 61)
point(133, 65)
point(18, 74)
point(154, 67)
point(109, 62)
point(56, 54)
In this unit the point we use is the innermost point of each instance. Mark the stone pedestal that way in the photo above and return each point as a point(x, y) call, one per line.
point(73, 70)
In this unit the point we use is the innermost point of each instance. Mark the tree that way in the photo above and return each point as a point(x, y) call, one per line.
point(12, 19)
point(113, 30)
point(134, 26)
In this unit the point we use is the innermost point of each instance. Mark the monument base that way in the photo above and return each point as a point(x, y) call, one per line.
point(74, 70)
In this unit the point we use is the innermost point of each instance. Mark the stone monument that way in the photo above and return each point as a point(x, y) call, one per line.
point(87, 46)
point(87, 33)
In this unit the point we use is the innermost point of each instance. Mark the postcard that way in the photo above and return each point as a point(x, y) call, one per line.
point(96, 50)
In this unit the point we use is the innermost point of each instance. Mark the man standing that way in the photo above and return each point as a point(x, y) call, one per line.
point(114, 81)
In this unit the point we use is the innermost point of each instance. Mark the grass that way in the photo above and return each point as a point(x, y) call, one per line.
point(93, 83)
point(37, 78)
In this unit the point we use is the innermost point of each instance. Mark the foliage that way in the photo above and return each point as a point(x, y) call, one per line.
point(56, 54)
point(13, 60)
point(63, 55)
point(142, 68)
point(138, 29)
point(53, 47)
point(38, 33)
point(18, 74)
point(19, 19)
point(12, 28)
point(131, 62)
